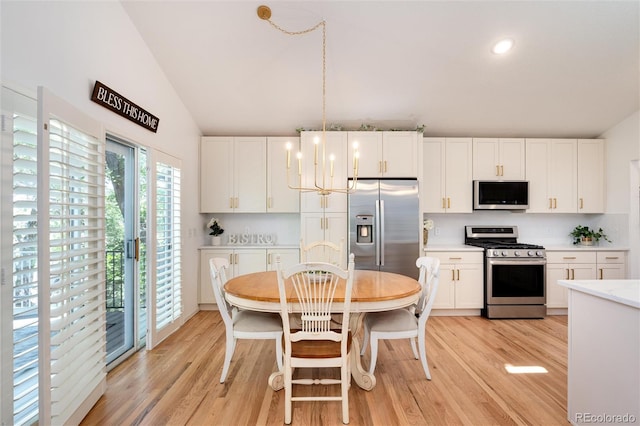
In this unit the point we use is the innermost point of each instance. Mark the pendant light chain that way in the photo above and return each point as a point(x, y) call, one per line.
point(264, 13)
point(322, 24)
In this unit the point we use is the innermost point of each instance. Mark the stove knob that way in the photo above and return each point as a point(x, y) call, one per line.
point(496, 253)
point(531, 253)
point(516, 253)
point(504, 253)
point(539, 253)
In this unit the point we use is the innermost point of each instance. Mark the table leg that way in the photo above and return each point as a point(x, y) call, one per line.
point(276, 380)
point(363, 378)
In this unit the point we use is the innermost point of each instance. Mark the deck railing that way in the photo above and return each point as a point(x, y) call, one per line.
point(115, 279)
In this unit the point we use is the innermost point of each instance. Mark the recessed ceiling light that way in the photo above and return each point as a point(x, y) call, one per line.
point(503, 46)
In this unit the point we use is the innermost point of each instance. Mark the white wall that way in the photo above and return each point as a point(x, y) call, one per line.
point(66, 47)
point(622, 146)
point(623, 182)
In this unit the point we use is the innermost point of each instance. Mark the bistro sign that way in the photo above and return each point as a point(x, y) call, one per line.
point(117, 103)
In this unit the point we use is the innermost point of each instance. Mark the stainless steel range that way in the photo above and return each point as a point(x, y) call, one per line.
point(514, 273)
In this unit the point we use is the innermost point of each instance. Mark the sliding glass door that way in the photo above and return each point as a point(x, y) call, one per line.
point(120, 248)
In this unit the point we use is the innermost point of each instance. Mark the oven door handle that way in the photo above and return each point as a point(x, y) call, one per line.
point(519, 261)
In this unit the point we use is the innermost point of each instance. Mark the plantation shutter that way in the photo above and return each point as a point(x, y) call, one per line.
point(19, 311)
point(166, 251)
point(71, 236)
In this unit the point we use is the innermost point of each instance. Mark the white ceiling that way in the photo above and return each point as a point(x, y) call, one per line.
point(574, 70)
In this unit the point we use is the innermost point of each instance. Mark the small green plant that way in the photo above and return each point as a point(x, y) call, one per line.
point(581, 233)
point(214, 226)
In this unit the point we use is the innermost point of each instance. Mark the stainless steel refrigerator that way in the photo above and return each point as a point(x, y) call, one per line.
point(384, 225)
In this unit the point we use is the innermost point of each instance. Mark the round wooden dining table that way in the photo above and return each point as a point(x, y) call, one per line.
point(373, 291)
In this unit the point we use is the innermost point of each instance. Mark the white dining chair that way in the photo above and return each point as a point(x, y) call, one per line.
point(242, 324)
point(314, 343)
point(322, 251)
point(405, 323)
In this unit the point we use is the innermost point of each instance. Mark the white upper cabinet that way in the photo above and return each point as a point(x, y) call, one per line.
point(280, 198)
point(232, 174)
point(370, 149)
point(590, 176)
point(336, 144)
point(498, 159)
point(216, 176)
point(446, 184)
point(385, 154)
point(551, 169)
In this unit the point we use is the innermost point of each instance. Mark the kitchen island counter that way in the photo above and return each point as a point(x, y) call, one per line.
point(604, 349)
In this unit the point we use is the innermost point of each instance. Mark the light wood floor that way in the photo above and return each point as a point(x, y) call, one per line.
point(178, 382)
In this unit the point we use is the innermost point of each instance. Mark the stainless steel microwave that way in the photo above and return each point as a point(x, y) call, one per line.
point(500, 195)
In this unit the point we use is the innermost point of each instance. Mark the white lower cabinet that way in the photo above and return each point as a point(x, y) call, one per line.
point(568, 265)
point(241, 261)
point(580, 265)
point(288, 258)
point(461, 284)
point(611, 265)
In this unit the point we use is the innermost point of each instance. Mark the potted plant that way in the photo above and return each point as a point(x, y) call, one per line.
point(216, 231)
point(427, 225)
point(586, 236)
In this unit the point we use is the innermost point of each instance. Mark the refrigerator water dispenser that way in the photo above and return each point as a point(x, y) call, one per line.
point(364, 228)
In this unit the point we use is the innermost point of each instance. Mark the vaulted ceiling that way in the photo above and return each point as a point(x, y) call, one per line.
point(573, 72)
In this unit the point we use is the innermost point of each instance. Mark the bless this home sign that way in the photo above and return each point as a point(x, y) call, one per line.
point(117, 103)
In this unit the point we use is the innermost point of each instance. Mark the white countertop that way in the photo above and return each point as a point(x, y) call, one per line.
point(255, 246)
point(626, 292)
point(578, 247)
point(452, 247)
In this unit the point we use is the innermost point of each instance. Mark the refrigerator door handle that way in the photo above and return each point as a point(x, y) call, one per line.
point(381, 233)
point(377, 232)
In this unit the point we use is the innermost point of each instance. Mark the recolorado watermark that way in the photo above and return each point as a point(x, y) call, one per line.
point(605, 418)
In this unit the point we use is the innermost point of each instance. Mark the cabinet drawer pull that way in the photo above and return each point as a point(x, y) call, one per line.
point(567, 274)
point(501, 170)
point(453, 275)
point(550, 203)
point(385, 166)
point(458, 274)
point(581, 203)
point(448, 202)
point(601, 273)
point(555, 203)
point(231, 202)
point(455, 258)
point(569, 257)
point(444, 203)
point(573, 274)
point(497, 170)
point(611, 257)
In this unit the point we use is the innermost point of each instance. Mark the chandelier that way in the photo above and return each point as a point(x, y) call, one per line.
point(322, 179)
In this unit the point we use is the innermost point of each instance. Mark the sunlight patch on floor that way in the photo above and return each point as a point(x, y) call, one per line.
point(524, 369)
